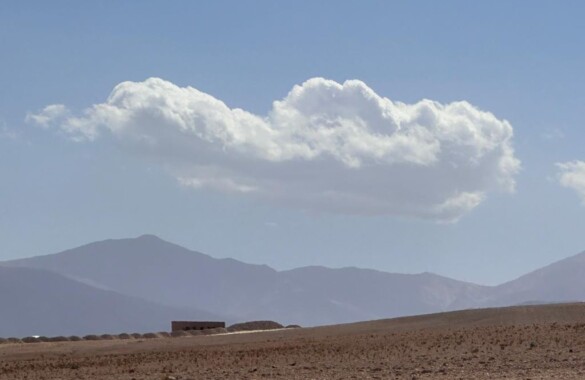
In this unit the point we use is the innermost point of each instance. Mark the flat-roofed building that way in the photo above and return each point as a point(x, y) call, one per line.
point(195, 325)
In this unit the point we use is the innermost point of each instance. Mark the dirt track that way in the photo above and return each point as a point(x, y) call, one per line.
point(533, 342)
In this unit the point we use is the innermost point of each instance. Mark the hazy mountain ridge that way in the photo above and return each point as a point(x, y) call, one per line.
point(150, 268)
point(155, 270)
point(370, 294)
point(561, 281)
point(45, 303)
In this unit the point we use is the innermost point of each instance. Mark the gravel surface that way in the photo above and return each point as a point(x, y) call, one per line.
point(531, 342)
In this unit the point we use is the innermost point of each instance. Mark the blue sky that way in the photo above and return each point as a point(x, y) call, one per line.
point(522, 64)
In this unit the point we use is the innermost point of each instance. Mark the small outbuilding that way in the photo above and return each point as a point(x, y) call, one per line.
point(195, 325)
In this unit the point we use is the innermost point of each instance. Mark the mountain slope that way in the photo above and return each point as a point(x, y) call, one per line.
point(150, 268)
point(37, 302)
point(153, 269)
point(352, 294)
point(562, 281)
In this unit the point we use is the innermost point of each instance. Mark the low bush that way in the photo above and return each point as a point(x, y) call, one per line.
point(59, 339)
point(255, 325)
point(179, 334)
point(31, 339)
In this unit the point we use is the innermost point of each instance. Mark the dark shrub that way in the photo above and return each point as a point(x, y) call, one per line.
point(31, 339)
point(59, 339)
point(178, 334)
point(255, 325)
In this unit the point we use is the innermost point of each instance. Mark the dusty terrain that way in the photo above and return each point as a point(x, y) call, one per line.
point(530, 342)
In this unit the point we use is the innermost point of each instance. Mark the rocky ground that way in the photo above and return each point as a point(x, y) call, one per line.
point(531, 342)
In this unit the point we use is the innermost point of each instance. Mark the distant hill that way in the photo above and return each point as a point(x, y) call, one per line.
point(37, 302)
point(562, 281)
point(318, 295)
point(162, 272)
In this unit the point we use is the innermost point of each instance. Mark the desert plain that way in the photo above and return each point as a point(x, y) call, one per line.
point(524, 342)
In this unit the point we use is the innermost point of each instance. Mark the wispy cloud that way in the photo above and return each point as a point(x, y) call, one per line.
point(572, 176)
point(7, 133)
point(553, 134)
point(329, 146)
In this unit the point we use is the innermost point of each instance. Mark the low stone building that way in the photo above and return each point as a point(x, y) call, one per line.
point(195, 325)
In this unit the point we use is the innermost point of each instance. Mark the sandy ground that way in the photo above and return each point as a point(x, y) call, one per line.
point(532, 342)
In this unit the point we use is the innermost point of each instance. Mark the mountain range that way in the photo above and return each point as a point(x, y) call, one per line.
point(39, 302)
point(142, 283)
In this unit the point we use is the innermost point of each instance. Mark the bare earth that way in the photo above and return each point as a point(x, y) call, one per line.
point(529, 342)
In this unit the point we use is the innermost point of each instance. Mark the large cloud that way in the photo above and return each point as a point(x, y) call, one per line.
point(325, 146)
point(572, 176)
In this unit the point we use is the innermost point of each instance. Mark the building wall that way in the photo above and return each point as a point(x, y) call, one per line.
point(193, 325)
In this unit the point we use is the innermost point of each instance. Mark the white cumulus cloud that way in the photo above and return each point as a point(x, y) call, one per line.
point(572, 175)
point(326, 146)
